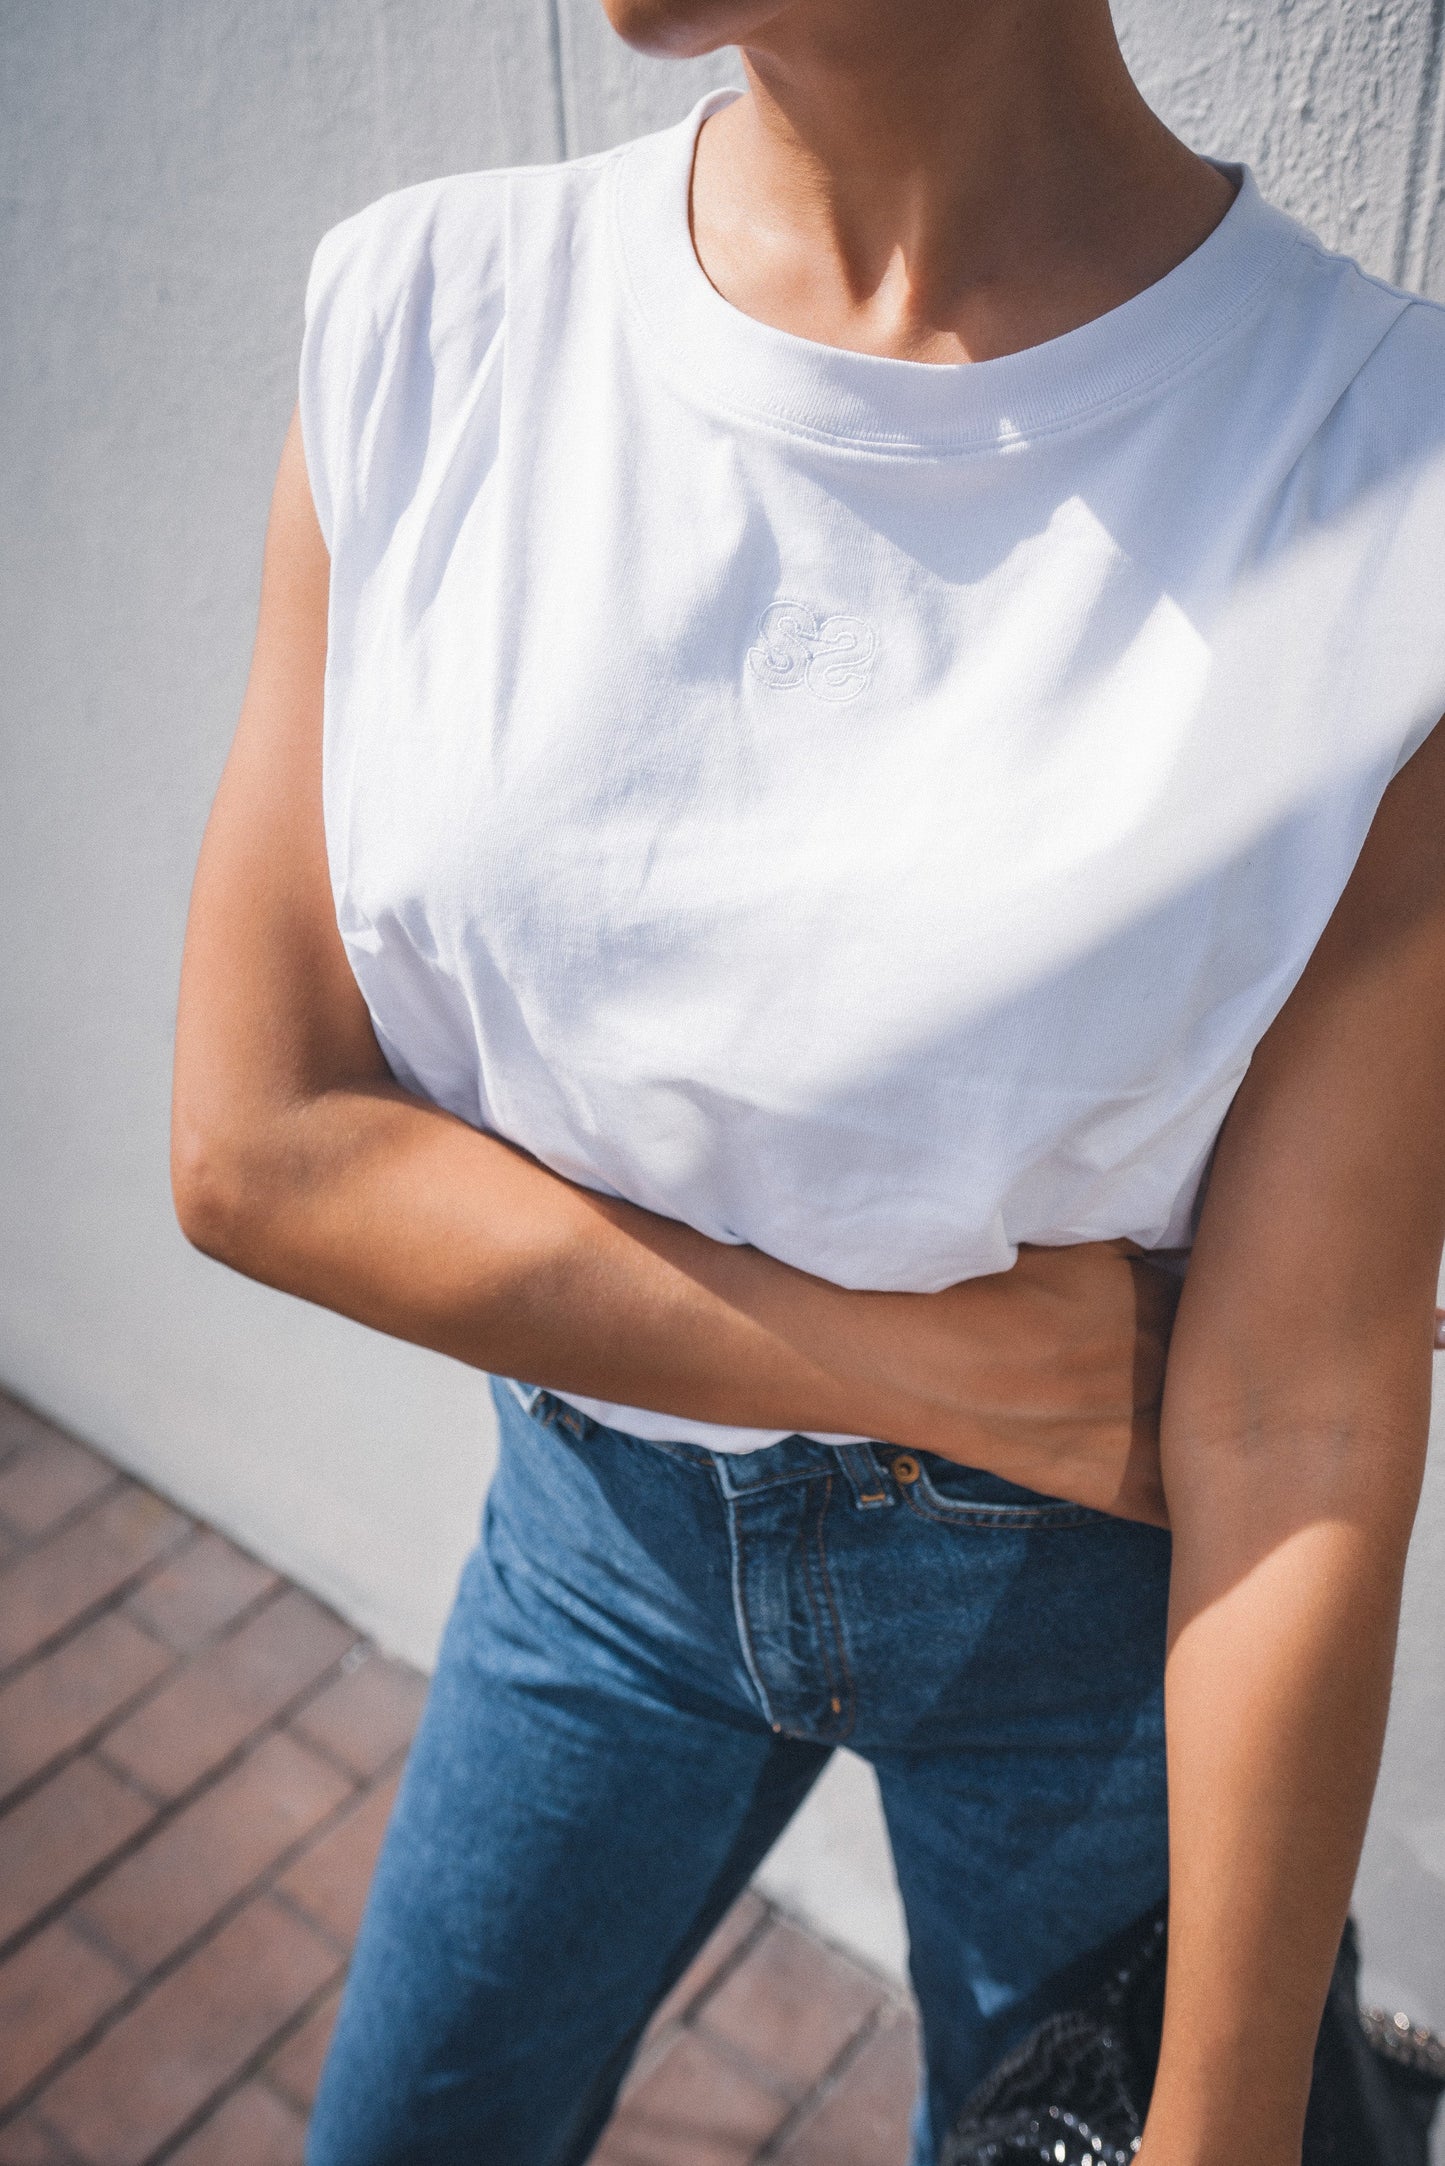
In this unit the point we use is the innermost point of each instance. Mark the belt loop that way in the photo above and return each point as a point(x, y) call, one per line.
point(870, 1485)
point(545, 1408)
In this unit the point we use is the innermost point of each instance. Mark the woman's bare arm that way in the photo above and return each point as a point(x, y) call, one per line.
point(299, 1161)
point(1295, 1414)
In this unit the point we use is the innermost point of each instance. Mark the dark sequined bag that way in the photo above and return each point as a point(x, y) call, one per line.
point(1076, 2091)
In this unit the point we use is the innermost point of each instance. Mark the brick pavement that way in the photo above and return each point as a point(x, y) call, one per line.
point(196, 1761)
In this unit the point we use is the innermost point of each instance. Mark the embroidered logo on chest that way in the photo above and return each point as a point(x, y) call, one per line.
point(832, 656)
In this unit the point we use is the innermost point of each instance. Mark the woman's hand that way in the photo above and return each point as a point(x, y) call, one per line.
point(1055, 1367)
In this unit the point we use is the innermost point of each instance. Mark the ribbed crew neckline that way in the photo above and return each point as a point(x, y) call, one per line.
point(738, 365)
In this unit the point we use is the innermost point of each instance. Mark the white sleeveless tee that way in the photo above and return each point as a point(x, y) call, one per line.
point(867, 809)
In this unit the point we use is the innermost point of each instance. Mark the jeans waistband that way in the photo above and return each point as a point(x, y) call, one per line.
point(739, 1474)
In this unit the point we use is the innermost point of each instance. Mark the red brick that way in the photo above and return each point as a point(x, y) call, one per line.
point(228, 1692)
point(58, 1834)
point(50, 1994)
point(694, 2109)
point(863, 2118)
point(181, 2045)
point(367, 1716)
point(200, 1591)
point(60, 1700)
point(28, 2142)
point(253, 2128)
point(48, 1478)
point(330, 1881)
point(791, 2007)
point(296, 2068)
point(212, 1851)
point(742, 1921)
point(49, 1587)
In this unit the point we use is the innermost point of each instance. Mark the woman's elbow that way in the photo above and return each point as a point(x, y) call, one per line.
point(1354, 1455)
point(219, 1184)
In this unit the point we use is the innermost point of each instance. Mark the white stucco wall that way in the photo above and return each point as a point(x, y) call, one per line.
point(165, 168)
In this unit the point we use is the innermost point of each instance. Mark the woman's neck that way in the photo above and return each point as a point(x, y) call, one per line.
point(949, 181)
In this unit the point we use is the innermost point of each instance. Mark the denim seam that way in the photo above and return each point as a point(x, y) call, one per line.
point(554, 1412)
point(851, 1702)
point(740, 1612)
point(772, 1481)
point(820, 1635)
point(687, 1455)
point(543, 1410)
point(1004, 1516)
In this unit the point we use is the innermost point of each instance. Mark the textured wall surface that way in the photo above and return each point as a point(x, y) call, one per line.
point(1335, 103)
point(165, 169)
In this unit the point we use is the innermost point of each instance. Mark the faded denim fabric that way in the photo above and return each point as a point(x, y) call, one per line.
point(653, 1651)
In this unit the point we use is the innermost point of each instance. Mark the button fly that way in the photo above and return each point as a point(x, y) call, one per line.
point(789, 1627)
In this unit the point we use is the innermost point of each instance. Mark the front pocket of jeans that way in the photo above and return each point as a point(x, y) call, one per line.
point(924, 1497)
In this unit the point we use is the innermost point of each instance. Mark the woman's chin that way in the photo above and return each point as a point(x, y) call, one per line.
point(684, 29)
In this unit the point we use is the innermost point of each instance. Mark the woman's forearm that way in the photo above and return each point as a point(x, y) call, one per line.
point(377, 1205)
point(369, 1202)
point(1288, 1557)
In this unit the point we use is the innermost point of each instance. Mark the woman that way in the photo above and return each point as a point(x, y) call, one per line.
point(878, 652)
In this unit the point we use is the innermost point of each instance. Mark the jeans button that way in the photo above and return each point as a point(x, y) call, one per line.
point(906, 1468)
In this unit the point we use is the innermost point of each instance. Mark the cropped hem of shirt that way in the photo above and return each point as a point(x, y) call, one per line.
point(867, 809)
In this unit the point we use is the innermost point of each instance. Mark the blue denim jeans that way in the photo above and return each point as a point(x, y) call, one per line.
point(653, 1652)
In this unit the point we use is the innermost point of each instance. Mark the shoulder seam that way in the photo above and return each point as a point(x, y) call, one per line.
point(502, 174)
point(1381, 284)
